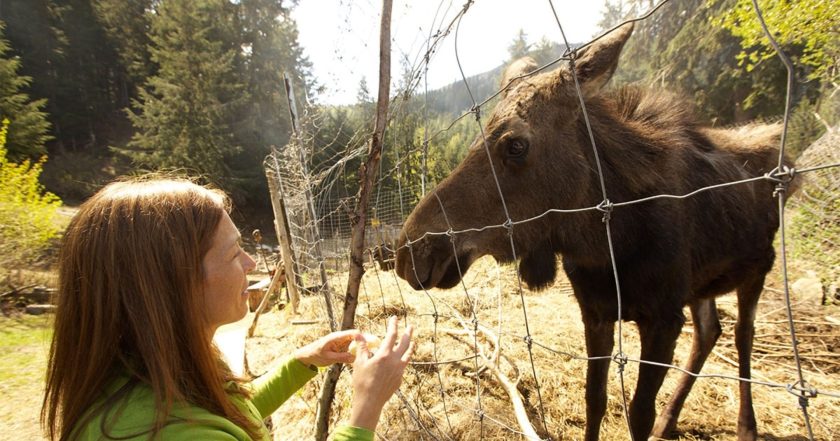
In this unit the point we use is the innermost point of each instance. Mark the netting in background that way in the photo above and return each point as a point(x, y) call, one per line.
point(319, 207)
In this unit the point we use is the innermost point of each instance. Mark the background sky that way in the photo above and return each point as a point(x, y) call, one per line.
point(341, 37)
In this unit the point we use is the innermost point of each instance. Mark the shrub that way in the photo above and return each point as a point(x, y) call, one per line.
point(28, 222)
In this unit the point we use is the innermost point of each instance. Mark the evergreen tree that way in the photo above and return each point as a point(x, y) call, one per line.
point(28, 128)
point(271, 50)
point(663, 52)
point(519, 47)
point(615, 11)
point(187, 110)
point(63, 48)
point(33, 37)
point(127, 26)
point(546, 51)
point(366, 106)
point(86, 89)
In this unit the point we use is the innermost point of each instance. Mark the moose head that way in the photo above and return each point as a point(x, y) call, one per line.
point(533, 155)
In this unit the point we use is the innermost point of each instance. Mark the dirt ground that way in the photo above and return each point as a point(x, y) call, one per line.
point(421, 412)
point(445, 359)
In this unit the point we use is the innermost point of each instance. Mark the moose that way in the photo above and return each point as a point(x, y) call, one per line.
point(535, 161)
point(384, 256)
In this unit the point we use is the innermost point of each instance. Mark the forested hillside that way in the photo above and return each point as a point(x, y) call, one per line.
point(108, 87)
point(147, 85)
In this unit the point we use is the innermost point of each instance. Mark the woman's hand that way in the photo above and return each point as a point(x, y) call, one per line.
point(329, 349)
point(377, 376)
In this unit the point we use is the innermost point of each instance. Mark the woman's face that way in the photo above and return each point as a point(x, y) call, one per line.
point(225, 284)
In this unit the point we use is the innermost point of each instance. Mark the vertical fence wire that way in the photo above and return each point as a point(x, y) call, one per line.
point(801, 388)
point(508, 222)
point(606, 207)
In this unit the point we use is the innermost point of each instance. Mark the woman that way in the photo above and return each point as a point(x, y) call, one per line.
point(148, 270)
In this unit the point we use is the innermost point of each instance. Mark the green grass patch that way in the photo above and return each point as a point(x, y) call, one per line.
point(24, 343)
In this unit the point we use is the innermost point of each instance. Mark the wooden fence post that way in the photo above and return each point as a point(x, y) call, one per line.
point(281, 226)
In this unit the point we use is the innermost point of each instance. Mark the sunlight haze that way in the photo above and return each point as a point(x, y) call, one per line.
point(341, 38)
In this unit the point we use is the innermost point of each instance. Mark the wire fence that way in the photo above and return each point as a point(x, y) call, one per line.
point(325, 218)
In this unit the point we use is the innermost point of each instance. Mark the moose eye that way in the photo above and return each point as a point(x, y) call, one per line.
point(517, 148)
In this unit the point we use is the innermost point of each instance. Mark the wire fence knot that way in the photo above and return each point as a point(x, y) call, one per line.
point(803, 391)
point(605, 207)
point(476, 109)
point(782, 177)
point(620, 359)
point(528, 341)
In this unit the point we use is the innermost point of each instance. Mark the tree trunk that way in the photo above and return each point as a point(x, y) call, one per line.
point(367, 174)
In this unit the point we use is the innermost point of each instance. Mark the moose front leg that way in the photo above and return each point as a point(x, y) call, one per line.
point(599, 343)
point(659, 338)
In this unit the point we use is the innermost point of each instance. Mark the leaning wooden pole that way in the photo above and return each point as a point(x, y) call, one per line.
point(367, 173)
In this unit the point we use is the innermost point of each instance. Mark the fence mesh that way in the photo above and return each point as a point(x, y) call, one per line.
point(493, 330)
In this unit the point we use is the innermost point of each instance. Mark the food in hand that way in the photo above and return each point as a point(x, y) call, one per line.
point(372, 341)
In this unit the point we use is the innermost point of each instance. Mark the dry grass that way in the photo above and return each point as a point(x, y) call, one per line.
point(24, 343)
point(554, 320)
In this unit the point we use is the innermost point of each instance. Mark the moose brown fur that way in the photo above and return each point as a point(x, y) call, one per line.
point(669, 253)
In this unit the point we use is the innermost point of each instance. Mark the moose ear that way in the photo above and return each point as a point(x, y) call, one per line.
point(514, 70)
point(595, 64)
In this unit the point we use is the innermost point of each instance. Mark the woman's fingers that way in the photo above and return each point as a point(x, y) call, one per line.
point(405, 340)
point(406, 356)
point(340, 357)
point(390, 336)
point(341, 339)
point(362, 351)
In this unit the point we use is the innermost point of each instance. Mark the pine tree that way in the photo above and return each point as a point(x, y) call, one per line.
point(270, 51)
point(663, 52)
point(63, 48)
point(187, 110)
point(127, 26)
point(519, 47)
point(28, 128)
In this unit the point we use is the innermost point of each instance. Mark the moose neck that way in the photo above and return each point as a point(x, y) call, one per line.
point(632, 129)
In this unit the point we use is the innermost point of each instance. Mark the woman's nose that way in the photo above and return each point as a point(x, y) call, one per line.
point(250, 263)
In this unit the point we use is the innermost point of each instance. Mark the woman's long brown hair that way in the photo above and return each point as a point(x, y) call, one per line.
point(130, 302)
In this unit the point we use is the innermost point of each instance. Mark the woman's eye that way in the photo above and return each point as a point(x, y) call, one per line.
point(517, 148)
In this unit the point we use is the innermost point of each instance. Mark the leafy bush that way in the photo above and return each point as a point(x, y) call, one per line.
point(815, 224)
point(27, 211)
